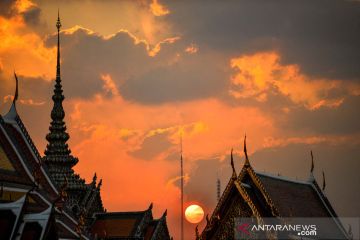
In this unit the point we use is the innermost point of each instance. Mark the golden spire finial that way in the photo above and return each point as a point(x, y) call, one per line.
point(58, 23)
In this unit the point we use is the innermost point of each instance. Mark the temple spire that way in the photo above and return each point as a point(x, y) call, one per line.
point(58, 26)
point(58, 156)
point(58, 136)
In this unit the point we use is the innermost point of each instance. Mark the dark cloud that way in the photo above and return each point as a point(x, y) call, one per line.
point(36, 89)
point(321, 36)
point(152, 146)
point(6, 8)
point(341, 120)
point(32, 16)
point(85, 56)
point(163, 78)
point(189, 79)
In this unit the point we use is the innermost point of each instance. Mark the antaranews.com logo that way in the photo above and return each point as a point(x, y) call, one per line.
point(296, 228)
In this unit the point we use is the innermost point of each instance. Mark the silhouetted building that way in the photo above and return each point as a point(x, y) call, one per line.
point(130, 225)
point(43, 198)
point(259, 196)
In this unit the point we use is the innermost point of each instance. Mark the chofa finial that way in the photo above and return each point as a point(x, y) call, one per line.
point(311, 177)
point(16, 95)
point(11, 115)
point(312, 162)
point(247, 162)
point(232, 164)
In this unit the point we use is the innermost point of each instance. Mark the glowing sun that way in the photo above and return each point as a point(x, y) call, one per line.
point(194, 213)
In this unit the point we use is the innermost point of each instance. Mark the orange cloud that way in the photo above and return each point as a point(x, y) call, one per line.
point(23, 49)
point(152, 49)
point(109, 84)
point(192, 49)
point(270, 142)
point(29, 102)
point(24, 5)
point(157, 9)
point(259, 73)
point(106, 131)
point(156, 49)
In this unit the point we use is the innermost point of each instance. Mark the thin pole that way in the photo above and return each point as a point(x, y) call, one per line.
point(218, 189)
point(182, 188)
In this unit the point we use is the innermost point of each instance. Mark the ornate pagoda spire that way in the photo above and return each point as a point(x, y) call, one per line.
point(57, 154)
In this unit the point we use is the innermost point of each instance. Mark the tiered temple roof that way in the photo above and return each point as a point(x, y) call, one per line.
point(251, 194)
point(31, 206)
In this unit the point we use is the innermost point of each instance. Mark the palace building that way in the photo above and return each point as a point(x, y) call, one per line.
point(41, 197)
point(259, 196)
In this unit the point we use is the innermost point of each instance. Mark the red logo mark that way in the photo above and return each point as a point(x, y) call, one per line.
point(244, 228)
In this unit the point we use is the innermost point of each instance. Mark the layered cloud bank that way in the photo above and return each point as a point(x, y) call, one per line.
point(138, 74)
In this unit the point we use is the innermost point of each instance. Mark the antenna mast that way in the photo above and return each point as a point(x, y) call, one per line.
point(182, 188)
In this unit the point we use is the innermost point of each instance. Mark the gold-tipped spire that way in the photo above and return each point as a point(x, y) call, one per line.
point(57, 150)
point(58, 23)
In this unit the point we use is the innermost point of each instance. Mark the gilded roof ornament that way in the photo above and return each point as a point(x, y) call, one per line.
point(232, 164)
point(16, 95)
point(312, 162)
point(12, 114)
point(311, 177)
point(247, 162)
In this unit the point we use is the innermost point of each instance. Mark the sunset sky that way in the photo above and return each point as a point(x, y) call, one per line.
point(138, 74)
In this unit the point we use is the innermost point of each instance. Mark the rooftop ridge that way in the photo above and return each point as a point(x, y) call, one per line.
point(283, 178)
